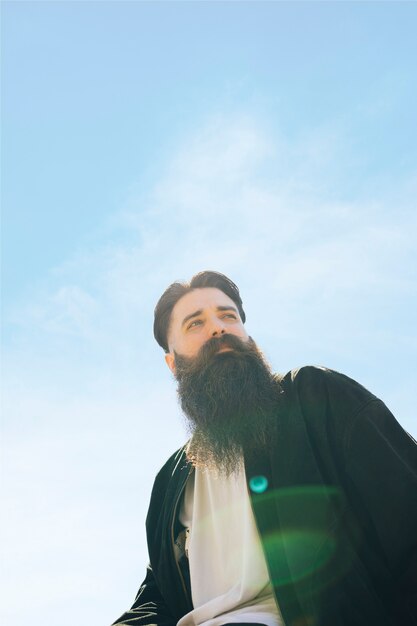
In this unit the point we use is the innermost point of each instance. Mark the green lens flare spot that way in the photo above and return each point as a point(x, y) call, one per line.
point(258, 484)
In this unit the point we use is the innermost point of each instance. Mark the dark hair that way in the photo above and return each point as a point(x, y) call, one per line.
point(177, 290)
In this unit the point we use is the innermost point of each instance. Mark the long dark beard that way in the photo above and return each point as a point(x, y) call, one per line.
point(231, 400)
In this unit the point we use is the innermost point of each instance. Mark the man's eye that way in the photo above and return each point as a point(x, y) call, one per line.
point(193, 324)
point(231, 315)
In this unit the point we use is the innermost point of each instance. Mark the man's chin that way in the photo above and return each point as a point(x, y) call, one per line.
point(230, 400)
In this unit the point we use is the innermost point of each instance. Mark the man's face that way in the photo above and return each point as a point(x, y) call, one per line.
point(226, 389)
point(197, 317)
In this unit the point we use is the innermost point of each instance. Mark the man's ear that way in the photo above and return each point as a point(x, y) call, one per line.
point(170, 361)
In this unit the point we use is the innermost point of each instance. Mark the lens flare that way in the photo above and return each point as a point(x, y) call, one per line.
point(258, 484)
point(301, 533)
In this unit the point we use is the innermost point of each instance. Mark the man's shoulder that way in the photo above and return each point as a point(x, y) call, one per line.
point(312, 383)
point(306, 373)
point(176, 463)
point(319, 375)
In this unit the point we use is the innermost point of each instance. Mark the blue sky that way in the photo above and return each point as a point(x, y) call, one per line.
point(145, 141)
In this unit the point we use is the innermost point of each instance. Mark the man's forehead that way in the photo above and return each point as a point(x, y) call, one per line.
point(200, 299)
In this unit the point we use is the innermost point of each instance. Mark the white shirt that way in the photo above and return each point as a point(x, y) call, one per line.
point(229, 576)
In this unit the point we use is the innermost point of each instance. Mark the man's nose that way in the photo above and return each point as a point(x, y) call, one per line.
point(217, 328)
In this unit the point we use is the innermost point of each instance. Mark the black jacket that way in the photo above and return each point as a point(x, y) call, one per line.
point(338, 519)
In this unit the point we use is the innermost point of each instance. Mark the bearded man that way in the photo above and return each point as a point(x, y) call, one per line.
point(294, 503)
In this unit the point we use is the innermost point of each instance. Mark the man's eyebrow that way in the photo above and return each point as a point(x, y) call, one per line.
point(227, 308)
point(199, 312)
point(188, 317)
